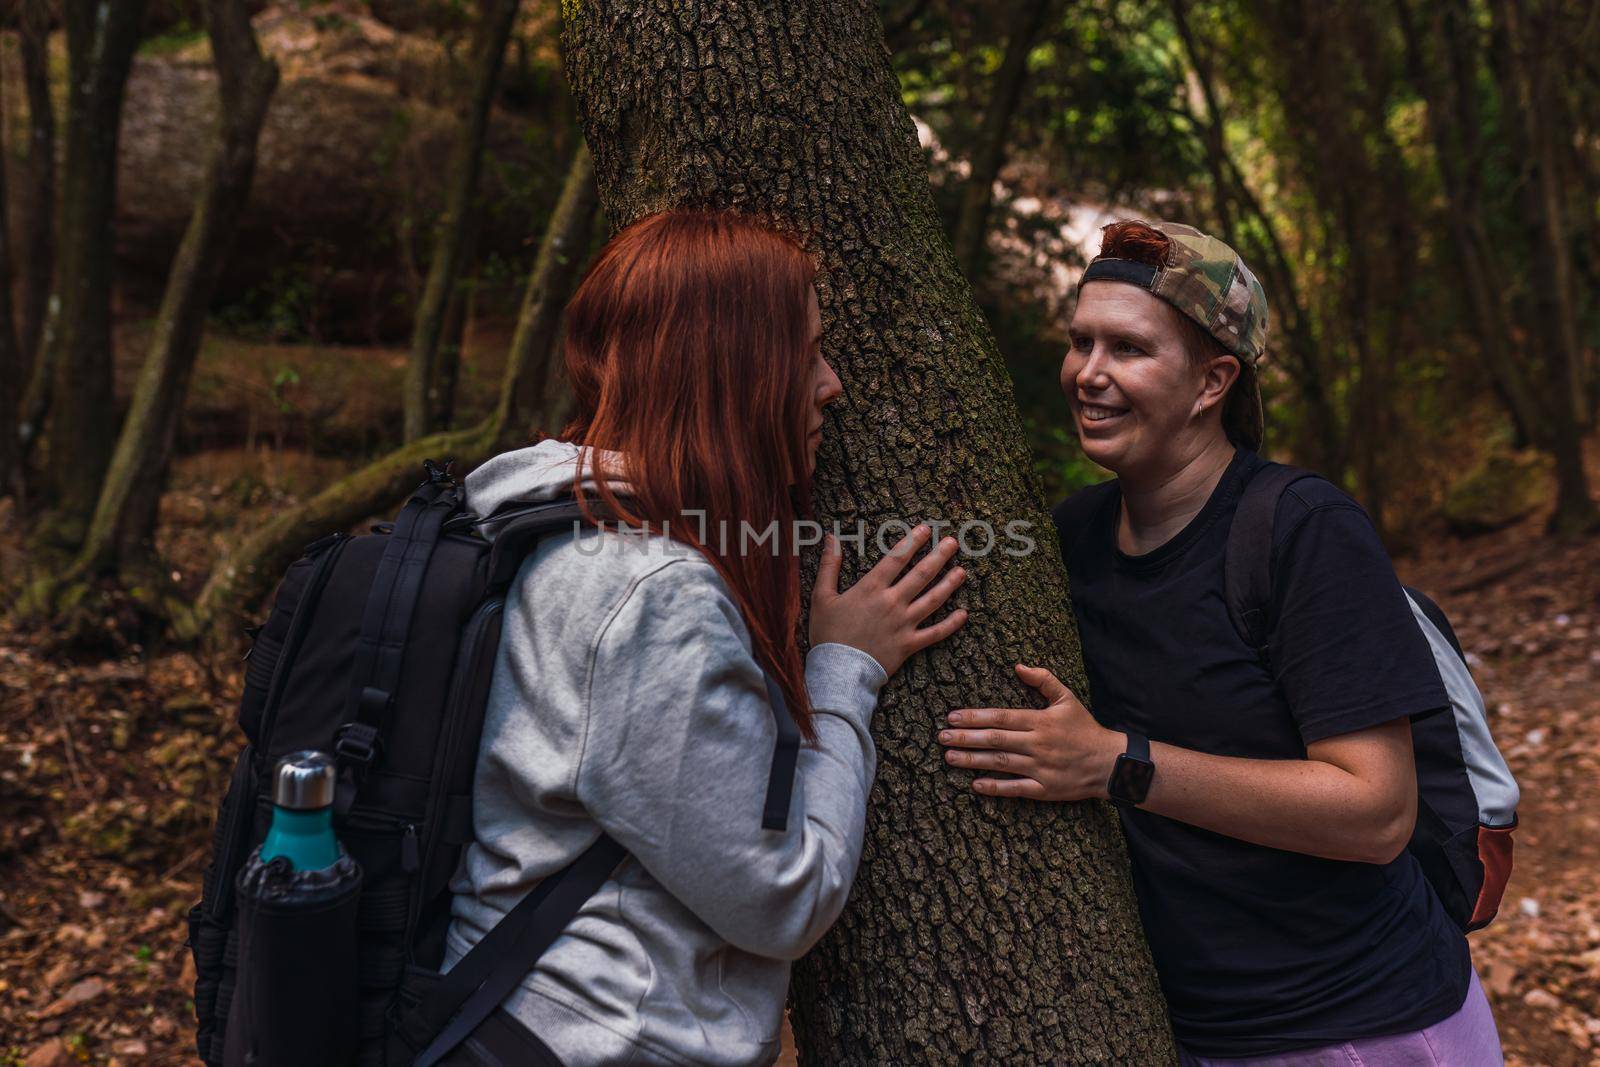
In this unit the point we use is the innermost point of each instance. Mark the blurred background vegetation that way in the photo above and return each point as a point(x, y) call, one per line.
point(235, 309)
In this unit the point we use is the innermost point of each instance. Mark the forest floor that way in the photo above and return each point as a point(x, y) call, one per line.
point(111, 768)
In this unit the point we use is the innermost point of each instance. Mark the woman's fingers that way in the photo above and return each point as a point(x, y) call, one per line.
point(933, 599)
point(1015, 740)
point(997, 760)
point(827, 584)
point(928, 567)
point(1045, 682)
point(1010, 787)
point(932, 635)
point(883, 572)
point(994, 718)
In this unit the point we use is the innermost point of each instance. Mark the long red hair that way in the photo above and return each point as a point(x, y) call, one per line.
point(688, 350)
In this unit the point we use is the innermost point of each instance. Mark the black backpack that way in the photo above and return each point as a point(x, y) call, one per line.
point(379, 649)
point(1467, 798)
point(1466, 795)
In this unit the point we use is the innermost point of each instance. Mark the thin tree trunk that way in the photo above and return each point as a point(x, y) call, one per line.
point(525, 390)
point(1527, 94)
point(239, 581)
point(38, 248)
point(125, 516)
point(1453, 124)
point(101, 39)
point(972, 226)
point(979, 930)
point(442, 387)
point(1543, 413)
point(494, 30)
point(10, 353)
point(1296, 344)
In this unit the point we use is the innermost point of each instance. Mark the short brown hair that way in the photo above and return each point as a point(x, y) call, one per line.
point(1139, 242)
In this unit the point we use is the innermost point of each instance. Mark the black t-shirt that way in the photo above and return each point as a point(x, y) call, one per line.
point(1260, 950)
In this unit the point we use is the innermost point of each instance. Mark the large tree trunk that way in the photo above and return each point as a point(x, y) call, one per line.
point(101, 38)
point(977, 199)
point(241, 579)
point(979, 930)
point(125, 516)
point(450, 234)
point(38, 250)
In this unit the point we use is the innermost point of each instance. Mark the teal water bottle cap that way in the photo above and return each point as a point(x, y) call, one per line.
point(305, 781)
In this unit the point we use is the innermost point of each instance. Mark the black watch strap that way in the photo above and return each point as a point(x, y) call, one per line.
point(1138, 746)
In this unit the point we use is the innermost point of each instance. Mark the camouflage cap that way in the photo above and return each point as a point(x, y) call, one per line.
point(1208, 281)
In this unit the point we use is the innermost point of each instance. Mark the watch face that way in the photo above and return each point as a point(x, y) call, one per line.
point(1130, 779)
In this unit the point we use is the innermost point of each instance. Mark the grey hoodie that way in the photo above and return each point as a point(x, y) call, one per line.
point(626, 699)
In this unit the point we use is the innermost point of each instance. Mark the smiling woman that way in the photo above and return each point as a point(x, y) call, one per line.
point(1267, 805)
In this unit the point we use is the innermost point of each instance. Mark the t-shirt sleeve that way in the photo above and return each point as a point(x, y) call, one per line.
point(1344, 645)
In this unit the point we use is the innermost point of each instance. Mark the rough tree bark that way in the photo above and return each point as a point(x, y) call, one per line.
point(450, 234)
point(125, 516)
point(977, 199)
point(101, 38)
point(240, 580)
point(38, 250)
point(979, 931)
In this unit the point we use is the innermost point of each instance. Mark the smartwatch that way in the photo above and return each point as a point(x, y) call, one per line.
point(1131, 775)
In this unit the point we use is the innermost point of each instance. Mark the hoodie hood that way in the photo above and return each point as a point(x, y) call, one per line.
point(533, 475)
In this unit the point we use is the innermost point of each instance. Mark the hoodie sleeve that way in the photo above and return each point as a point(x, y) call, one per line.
point(678, 750)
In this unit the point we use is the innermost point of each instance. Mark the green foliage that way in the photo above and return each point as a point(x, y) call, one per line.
point(176, 38)
point(284, 378)
point(279, 310)
point(1308, 136)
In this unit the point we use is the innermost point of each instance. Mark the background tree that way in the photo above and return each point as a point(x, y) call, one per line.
point(130, 497)
point(972, 225)
point(245, 575)
point(978, 930)
point(37, 240)
point(11, 363)
point(101, 39)
point(450, 237)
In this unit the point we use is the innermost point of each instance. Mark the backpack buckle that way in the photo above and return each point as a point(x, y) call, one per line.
point(440, 475)
point(356, 743)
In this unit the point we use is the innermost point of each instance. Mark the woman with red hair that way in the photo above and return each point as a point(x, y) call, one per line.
point(645, 666)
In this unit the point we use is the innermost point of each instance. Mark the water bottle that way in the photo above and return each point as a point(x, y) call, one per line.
point(302, 812)
point(296, 998)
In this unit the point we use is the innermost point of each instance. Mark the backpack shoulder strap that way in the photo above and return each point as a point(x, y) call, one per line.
point(1247, 562)
point(521, 528)
point(385, 624)
point(785, 755)
point(470, 991)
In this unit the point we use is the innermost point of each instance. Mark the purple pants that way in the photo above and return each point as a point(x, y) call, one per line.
point(1466, 1039)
